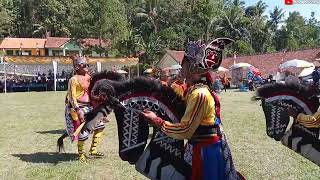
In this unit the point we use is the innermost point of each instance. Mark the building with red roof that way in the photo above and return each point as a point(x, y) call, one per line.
point(23, 46)
point(267, 63)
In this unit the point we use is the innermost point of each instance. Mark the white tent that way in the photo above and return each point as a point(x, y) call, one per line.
point(222, 69)
point(306, 72)
point(240, 65)
point(122, 72)
point(148, 71)
point(296, 63)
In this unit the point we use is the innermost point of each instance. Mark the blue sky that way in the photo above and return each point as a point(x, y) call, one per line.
point(304, 9)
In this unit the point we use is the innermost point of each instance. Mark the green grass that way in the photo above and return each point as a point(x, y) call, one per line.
point(31, 123)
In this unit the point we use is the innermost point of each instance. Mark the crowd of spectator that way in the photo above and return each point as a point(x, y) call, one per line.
point(22, 78)
point(39, 82)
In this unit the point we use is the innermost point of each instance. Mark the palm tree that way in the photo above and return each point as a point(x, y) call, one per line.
point(231, 20)
point(152, 47)
point(276, 17)
point(149, 12)
point(256, 10)
point(40, 31)
point(260, 7)
point(238, 3)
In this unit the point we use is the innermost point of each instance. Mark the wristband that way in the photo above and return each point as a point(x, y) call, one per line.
point(158, 121)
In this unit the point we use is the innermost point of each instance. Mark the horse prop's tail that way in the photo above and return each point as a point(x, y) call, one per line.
point(60, 145)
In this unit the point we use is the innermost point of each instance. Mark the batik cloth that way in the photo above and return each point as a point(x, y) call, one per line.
point(72, 122)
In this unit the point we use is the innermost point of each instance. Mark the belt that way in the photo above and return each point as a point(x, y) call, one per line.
point(203, 133)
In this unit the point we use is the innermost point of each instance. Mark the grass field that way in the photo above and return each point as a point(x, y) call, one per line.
point(31, 123)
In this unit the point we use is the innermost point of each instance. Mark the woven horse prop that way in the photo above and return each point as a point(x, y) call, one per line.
point(276, 99)
point(163, 158)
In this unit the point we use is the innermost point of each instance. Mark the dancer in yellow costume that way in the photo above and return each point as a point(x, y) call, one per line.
point(77, 105)
point(207, 150)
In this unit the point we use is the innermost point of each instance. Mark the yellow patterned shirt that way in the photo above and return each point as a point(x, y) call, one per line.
point(200, 110)
point(309, 121)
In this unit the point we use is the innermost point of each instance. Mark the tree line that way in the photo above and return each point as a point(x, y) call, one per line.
point(149, 27)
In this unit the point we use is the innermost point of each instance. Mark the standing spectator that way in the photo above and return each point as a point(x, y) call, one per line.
point(164, 76)
point(315, 75)
point(225, 82)
point(270, 79)
point(290, 78)
point(63, 73)
point(1, 86)
point(49, 72)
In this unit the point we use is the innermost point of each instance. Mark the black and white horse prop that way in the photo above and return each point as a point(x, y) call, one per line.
point(276, 99)
point(163, 158)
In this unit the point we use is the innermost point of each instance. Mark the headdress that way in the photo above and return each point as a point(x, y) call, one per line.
point(79, 61)
point(203, 57)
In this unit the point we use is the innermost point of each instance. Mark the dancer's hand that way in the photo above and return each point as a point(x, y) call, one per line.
point(149, 114)
point(80, 114)
point(152, 118)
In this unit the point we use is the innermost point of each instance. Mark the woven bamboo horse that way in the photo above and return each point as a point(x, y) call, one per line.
point(276, 98)
point(164, 157)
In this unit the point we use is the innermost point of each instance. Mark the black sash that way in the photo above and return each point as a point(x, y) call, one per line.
point(203, 133)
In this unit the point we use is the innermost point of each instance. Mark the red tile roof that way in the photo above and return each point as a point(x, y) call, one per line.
point(25, 43)
point(176, 55)
point(269, 63)
point(266, 63)
point(56, 42)
point(91, 42)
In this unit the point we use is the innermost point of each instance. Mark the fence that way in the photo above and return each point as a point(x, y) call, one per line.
point(34, 69)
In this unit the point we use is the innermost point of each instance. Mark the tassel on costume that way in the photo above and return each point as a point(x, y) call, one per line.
point(60, 145)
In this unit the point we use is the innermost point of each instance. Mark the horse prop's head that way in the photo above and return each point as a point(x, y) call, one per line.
point(101, 97)
point(277, 98)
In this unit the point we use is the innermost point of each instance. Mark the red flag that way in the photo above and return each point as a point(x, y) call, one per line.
point(288, 2)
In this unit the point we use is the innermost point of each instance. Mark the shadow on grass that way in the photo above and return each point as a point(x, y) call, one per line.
point(46, 157)
point(57, 131)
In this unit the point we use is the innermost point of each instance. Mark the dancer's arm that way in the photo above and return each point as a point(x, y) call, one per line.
point(73, 99)
point(72, 88)
point(196, 111)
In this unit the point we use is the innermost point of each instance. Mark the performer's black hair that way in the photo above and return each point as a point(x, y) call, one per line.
point(105, 75)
